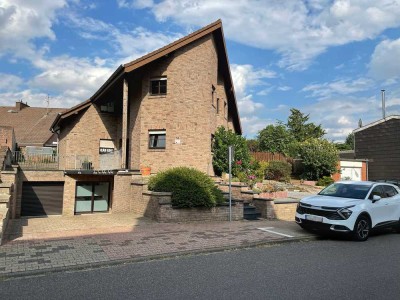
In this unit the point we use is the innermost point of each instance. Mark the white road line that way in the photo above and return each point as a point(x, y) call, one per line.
point(267, 229)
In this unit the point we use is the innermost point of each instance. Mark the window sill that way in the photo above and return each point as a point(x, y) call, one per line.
point(156, 150)
point(158, 96)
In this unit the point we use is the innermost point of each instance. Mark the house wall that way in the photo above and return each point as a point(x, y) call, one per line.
point(381, 145)
point(81, 136)
point(186, 112)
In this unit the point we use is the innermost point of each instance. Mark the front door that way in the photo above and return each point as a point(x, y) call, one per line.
point(92, 197)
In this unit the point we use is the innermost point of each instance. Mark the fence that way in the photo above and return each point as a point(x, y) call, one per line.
point(269, 156)
point(35, 161)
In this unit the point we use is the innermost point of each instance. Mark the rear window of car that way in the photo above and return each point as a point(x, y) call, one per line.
point(346, 190)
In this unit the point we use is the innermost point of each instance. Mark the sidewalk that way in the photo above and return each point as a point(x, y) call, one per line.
point(41, 252)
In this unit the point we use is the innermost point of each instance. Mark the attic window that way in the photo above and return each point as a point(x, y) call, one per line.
point(158, 86)
point(107, 107)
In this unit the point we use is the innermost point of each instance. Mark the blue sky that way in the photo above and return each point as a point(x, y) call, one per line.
point(330, 59)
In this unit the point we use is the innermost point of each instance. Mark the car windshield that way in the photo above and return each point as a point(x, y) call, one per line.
point(346, 190)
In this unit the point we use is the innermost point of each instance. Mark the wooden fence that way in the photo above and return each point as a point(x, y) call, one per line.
point(269, 156)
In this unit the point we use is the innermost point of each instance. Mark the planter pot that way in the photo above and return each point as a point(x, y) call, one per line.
point(145, 171)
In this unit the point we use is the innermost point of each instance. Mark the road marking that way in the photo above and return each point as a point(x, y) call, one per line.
point(267, 229)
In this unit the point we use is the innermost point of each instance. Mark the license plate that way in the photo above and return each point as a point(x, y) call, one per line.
point(314, 218)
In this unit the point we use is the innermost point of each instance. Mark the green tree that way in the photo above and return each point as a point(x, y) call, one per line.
point(252, 144)
point(348, 144)
point(222, 140)
point(274, 138)
point(319, 157)
point(300, 129)
point(350, 141)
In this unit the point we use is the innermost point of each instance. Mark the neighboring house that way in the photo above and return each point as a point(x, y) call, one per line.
point(30, 126)
point(351, 169)
point(379, 143)
point(7, 137)
point(160, 110)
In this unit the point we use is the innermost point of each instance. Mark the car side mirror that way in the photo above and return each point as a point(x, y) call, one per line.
point(375, 198)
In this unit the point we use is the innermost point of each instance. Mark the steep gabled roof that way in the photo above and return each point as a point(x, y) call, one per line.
point(31, 124)
point(376, 123)
point(213, 28)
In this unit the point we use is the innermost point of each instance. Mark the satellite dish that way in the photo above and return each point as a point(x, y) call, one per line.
point(360, 123)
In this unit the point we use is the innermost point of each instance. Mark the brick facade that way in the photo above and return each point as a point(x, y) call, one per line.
point(199, 99)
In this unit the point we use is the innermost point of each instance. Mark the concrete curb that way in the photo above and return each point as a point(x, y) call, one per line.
point(170, 255)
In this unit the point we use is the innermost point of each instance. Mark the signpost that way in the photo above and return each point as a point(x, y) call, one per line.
point(230, 159)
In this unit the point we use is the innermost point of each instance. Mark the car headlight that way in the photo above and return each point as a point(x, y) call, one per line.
point(345, 213)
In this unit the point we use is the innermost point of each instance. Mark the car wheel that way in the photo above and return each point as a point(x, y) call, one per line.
point(361, 229)
point(398, 227)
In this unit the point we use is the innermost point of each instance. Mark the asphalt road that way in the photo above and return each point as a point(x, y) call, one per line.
point(322, 269)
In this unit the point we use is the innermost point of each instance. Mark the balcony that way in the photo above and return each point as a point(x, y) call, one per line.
point(35, 161)
point(78, 162)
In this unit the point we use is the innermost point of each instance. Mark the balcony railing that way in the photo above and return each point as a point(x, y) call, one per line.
point(35, 161)
point(109, 161)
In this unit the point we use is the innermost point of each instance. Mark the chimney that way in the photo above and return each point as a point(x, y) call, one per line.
point(383, 104)
point(19, 105)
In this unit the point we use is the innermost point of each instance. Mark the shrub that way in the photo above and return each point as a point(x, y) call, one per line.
point(319, 157)
point(325, 181)
point(189, 187)
point(224, 138)
point(278, 170)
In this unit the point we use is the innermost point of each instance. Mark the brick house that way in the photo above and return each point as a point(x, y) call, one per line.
point(24, 126)
point(160, 110)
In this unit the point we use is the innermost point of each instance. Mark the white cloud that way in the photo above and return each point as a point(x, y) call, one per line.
point(298, 30)
point(128, 44)
point(340, 115)
point(9, 82)
point(254, 124)
point(384, 61)
point(338, 87)
point(284, 88)
point(245, 77)
point(23, 21)
point(71, 77)
point(139, 4)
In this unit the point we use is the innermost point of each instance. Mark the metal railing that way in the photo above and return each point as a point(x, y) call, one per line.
point(35, 161)
point(109, 161)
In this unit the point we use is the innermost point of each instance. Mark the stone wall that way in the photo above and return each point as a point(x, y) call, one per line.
point(122, 193)
point(285, 210)
point(159, 208)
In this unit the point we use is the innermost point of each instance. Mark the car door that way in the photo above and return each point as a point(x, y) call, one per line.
point(379, 210)
point(392, 197)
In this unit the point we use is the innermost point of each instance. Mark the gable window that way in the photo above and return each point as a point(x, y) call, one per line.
point(158, 86)
point(107, 107)
point(157, 139)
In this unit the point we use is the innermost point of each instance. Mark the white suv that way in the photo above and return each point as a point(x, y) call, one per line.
point(353, 207)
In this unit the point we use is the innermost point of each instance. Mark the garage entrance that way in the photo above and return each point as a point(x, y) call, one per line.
point(42, 198)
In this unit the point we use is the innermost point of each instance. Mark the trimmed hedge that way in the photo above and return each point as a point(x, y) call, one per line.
point(189, 187)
